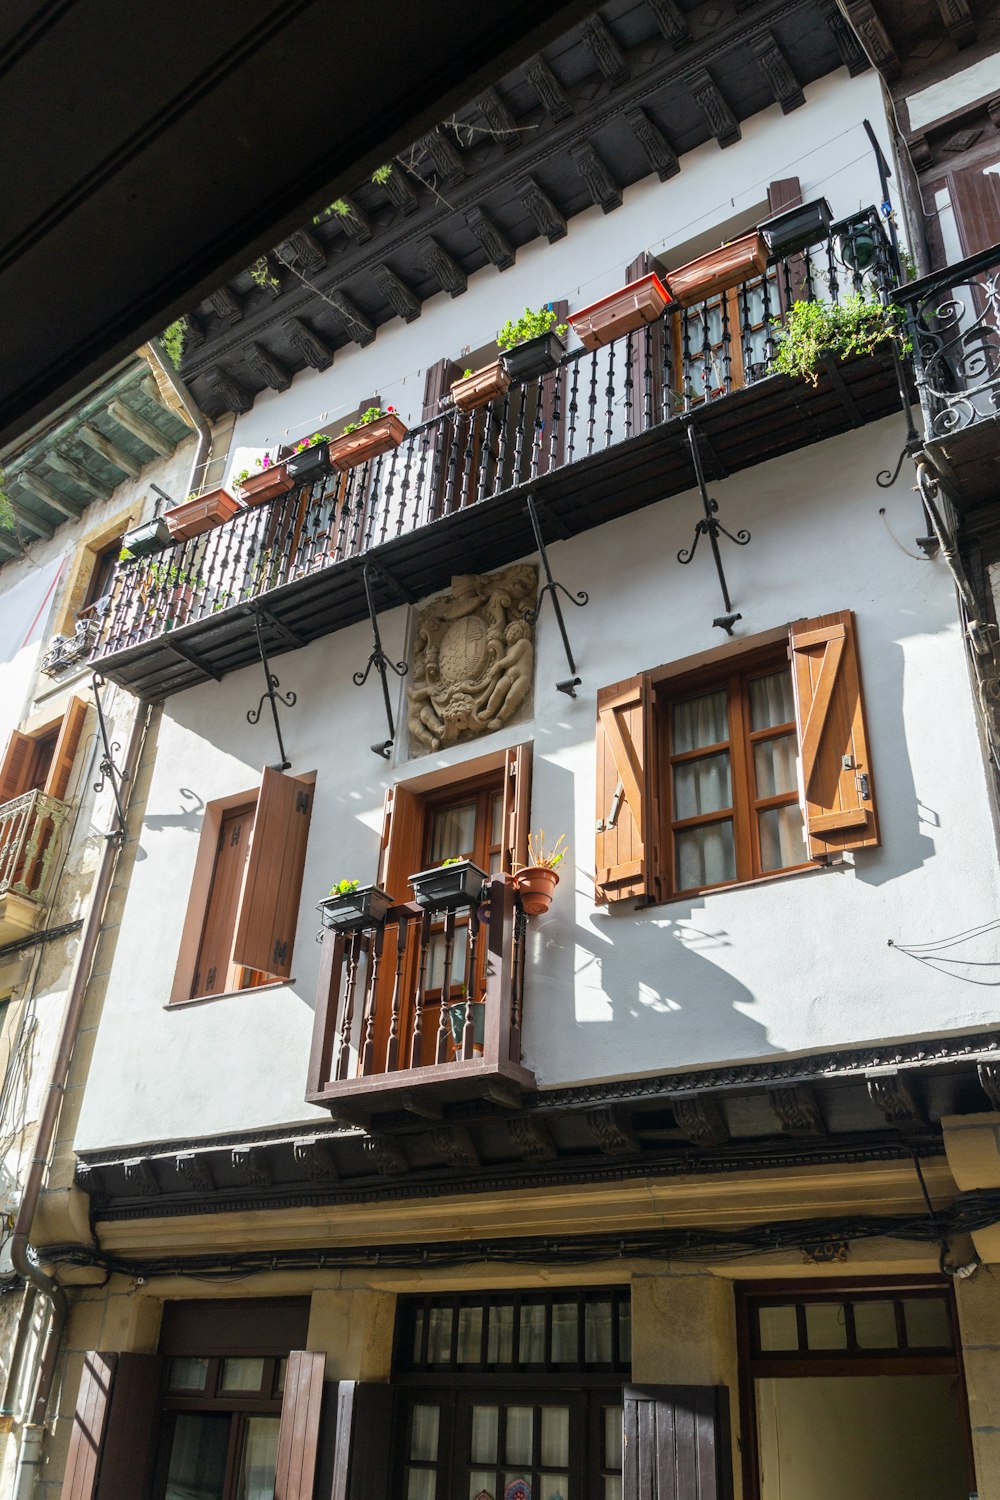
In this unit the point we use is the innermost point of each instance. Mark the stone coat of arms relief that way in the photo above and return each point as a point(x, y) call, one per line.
point(473, 657)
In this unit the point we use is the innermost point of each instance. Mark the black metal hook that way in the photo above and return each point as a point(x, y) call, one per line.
point(109, 770)
point(551, 587)
point(382, 663)
point(710, 526)
point(271, 694)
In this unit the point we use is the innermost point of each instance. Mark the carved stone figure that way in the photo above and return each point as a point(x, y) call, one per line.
point(473, 657)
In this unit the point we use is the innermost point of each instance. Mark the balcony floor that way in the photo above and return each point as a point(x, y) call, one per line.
point(775, 416)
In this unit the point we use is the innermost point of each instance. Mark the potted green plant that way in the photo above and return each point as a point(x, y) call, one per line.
point(531, 345)
point(454, 884)
point(169, 593)
point(479, 387)
point(265, 481)
point(621, 312)
point(535, 881)
point(797, 228)
point(720, 269)
point(145, 540)
point(856, 325)
point(375, 432)
point(352, 907)
point(309, 459)
point(476, 1012)
point(201, 512)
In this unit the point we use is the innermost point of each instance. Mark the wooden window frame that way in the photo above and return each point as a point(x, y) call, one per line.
point(20, 761)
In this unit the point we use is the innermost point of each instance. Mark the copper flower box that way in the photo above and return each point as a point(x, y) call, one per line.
point(367, 441)
point(267, 485)
point(622, 312)
point(203, 513)
point(480, 387)
point(719, 270)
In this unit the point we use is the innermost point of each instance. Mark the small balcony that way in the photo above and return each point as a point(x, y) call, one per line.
point(602, 434)
point(30, 835)
point(955, 329)
point(421, 1012)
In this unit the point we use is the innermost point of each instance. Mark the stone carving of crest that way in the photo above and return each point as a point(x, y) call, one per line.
point(473, 657)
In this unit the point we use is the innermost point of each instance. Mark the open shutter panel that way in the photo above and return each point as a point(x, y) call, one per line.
point(437, 381)
point(786, 192)
point(298, 1435)
point(361, 1458)
point(676, 1443)
point(647, 356)
point(976, 197)
point(516, 806)
point(402, 842)
point(128, 1452)
point(61, 769)
point(15, 766)
point(89, 1420)
point(624, 810)
point(837, 781)
point(269, 908)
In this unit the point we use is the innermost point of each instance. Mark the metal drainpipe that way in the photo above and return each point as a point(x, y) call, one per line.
point(20, 1255)
point(192, 408)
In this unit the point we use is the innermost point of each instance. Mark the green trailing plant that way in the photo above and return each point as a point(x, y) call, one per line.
point(857, 325)
point(261, 275)
point(173, 339)
point(339, 208)
point(311, 442)
point(908, 266)
point(382, 174)
point(367, 417)
point(125, 556)
point(344, 887)
point(530, 325)
point(169, 575)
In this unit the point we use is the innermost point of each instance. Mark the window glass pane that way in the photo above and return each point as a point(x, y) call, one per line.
point(625, 1332)
point(439, 1336)
point(926, 1323)
point(612, 1437)
point(700, 721)
point(555, 1437)
point(470, 1335)
point(532, 1346)
point(553, 1486)
point(826, 1327)
point(481, 1481)
point(518, 1448)
point(597, 1333)
point(774, 765)
point(435, 959)
point(260, 1456)
point(771, 700)
point(197, 1466)
point(875, 1325)
point(496, 822)
point(779, 1328)
point(241, 1374)
point(781, 839)
point(418, 1335)
point(564, 1333)
point(453, 832)
point(425, 1422)
point(484, 1434)
point(421, 1484)
point(187, 1374)
point(702, 786)
point(500, 1349)
point(613, 1487)
point(705, 856)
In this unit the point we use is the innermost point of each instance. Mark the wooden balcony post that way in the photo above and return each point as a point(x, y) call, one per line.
point(499, 970)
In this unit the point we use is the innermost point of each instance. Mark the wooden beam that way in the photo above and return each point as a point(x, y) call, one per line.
point(440, 265)
point(659, 152)
point(672, 22)
point(605, 50)
point(109, 450)
point(45, 491)
point(700, 1119)
point(959, 20)
point(314, 1155)
point(719, 117)
point(500, 123)
point(891, 1092)
point(360, 329)
point(852, 54)
point(79, 474)
point(234, 396)
point(796, 1108)
point(28, 521)
point(226, 305)
point(874, 38)
point(252, 1165)
point(546, 215)
point(314, 350)
point(439, 150)
point(193, 1167)
point(455, 1145)
point(385, 1156)
point(304, 247)
point(493, 240)
point(397, 293)
point(549, 91)
point(273, 373)
point(355, 223)
point(531, 1139)
point(140, 428)
point(603, 188)
point(397, 188)
point(613, 1131)
point(778, 71)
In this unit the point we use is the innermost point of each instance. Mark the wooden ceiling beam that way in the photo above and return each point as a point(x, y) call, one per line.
point(659, 153)
point(79, 475)
point(548, 219)
point(314, 350)
point(48, 493)
point(718, 116)
point(604, 190)
point(605, 50)
point(398, 295)
point(138, 426)
point(874, 38)
point(778, 71)
point(109, 450)
point(493, 240)
point(961, 24)
point(275, 375)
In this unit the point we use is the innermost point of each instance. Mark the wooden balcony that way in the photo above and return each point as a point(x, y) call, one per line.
point(955, 329)
point(383, 1040)
point(30, 834)
point(602, 435)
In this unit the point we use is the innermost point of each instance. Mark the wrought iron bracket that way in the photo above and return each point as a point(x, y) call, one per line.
point(711, 526)
point(270, 693)
point(109, 769)
point(551, 587)
point(378, 659)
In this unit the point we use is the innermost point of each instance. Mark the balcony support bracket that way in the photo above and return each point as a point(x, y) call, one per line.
point(270, 692)
point(378, 659)
point(109, 769)
point(710, 526)
point(569, 684)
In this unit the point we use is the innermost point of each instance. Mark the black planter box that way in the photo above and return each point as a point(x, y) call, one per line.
point(310, 464)
point(152, 536)
point(365, 907)
point(529, 360)
point(797, 228)
point(456, 1016)
point(449, 887)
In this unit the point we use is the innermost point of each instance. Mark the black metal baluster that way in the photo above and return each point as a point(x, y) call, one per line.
point(706, 353)
point(387, 492)
point(558, 383)
point(486, 448)
point(537, 428)
point(769, 321)
point(418, 493)
point(727, 355)
point(647, 376)
point(831, 272)
point(506, 417)
point(374, 497)
point(628, 383)
point(592, 419)
point(417, 1041)
point(609, 391)
point(455, 418)
point(687, 361)
point(404, 487)
point(464, 498)
point(666, 400)
point(808, 286)
point(746, 332)
point(522, 399)
point(573, 409)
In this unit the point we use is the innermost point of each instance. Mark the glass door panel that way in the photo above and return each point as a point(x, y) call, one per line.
point(197, 1466)
point(260, 1456)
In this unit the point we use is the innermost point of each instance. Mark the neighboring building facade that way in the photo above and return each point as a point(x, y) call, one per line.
point(682, 1187)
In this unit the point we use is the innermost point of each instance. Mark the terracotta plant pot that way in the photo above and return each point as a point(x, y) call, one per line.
point(367, 441)
point(622, 312)
point(266, 485)
point(535, 885)
point(534, 357)
point(203, 513)
point(481, 386)
point(718, 270)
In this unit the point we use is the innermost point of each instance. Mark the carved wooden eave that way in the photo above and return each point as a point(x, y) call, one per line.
point(625, 95)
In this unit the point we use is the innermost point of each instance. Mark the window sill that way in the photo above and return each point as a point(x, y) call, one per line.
point(743, 885)
point(255, 989)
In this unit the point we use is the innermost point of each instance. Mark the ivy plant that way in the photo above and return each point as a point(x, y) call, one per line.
point(261, 274)
point(530, 325)
point(8, 520)
point(857, 325)
point(173, 339)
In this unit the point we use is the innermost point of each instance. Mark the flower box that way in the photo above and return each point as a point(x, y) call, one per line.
point(355, 910)
point(534, 357)
point(152, 536)
point(622, 312)
point(367, 441)
point(797, 228)
point(203, 513)
point(481, 386)
point(718, 270)
point(308, 465)
point(449, 887)
point(267, 485)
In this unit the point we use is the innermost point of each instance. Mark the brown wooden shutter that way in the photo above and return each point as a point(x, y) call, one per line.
point(676, 1443)
point(298, 1435)
point(437, 381)
point(784, 193)
point(215, 950)
point(837, 779)
point(89, 1419)
point(626, 821)
point(57, 780)
point(128, 1451)
point(516, 806)
point(362, 1450)
point(269, 906)
point(402, 841)
point(975, 195)
point(16, 765)
point(643, 265)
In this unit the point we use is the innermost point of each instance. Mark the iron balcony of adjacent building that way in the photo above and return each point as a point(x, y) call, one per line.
point(30, 835)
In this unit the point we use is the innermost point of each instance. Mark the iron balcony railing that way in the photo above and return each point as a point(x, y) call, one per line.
point(954, 320)
point(30, 832)
point(593, 401)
